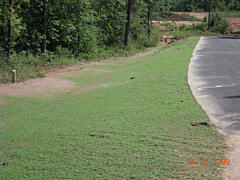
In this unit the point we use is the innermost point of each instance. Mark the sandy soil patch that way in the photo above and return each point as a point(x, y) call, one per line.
point(52, 84)
point(41, 87)
point(159, 25)
point(234, 25)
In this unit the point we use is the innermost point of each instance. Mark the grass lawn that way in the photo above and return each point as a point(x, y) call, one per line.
point(124, 129)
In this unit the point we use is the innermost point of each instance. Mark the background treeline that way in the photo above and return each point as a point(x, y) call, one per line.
point(197, 5)
point(86, 27)
point(77, 27)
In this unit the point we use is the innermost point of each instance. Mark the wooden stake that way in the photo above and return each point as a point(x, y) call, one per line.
point(14, 76)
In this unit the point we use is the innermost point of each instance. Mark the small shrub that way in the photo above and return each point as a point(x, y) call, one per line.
point(201, 27)
point(219, 24)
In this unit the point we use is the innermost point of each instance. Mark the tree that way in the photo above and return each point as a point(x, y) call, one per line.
point(150, 4)
point(127, 27)
point(9, 50)
point(44, 41)
point(209, 13)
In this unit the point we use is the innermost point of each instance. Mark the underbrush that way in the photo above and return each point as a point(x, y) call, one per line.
point(31, 65)
point(171, 16)
point(231, 13)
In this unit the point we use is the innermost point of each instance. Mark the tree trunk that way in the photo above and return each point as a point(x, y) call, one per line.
point(44, 41)
point(193, 5)
point(149, 21)
point(9, 49)
point(127, 27)
point(78, 27)
point(227, 2)
point(209, 13)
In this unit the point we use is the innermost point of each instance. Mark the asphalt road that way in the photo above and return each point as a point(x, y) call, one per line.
point(214, 78)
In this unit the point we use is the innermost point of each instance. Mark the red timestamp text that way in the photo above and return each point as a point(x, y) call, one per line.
point(206, 161)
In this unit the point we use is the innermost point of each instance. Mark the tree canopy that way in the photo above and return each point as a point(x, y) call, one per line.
point(83, 26)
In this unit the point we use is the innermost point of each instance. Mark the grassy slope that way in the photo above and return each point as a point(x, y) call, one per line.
point(136, 128)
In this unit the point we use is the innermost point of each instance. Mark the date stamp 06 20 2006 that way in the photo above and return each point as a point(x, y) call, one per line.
point(205, 162)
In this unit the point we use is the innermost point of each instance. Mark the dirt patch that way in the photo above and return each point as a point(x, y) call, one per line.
point(234, 25)
point(41, 87)
point(159, 25)
point(197, 15)
point(52, 84)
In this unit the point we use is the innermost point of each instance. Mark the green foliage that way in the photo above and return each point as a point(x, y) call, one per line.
point(196, 5)
point(218, 23)
point(203, 26)
point(82, 28)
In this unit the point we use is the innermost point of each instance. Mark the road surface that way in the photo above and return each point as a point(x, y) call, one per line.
point(214, 78)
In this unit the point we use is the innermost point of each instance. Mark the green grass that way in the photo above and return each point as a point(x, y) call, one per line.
point(129, 129)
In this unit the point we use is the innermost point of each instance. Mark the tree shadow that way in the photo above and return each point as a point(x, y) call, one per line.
point(225, 37)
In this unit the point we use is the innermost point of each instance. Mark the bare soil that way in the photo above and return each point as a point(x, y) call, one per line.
point(40, 87)
point(234, 25)
point(159, 25)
